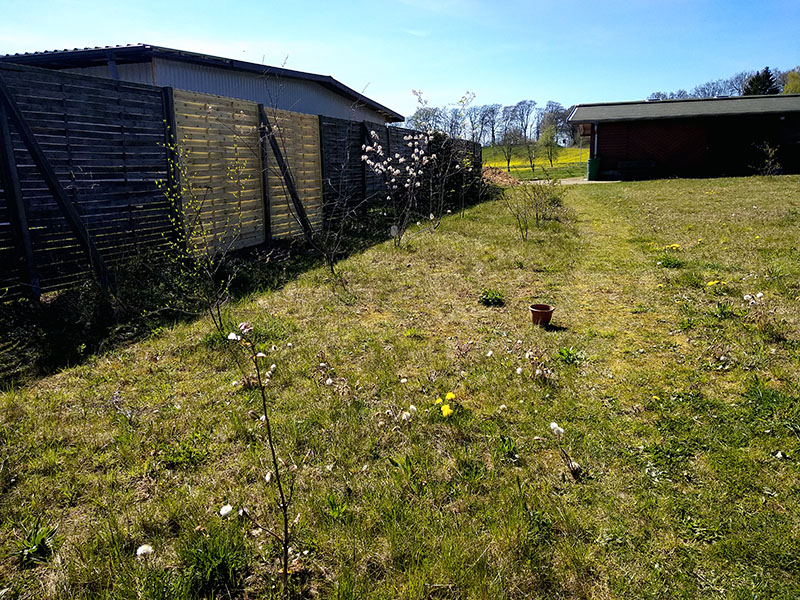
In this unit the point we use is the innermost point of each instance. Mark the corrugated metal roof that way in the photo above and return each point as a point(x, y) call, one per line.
point(86, 57)
point(675, 109)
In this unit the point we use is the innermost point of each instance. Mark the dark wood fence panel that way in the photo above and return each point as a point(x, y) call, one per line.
point(10, 274)
point(104, 140)
point(342, 167)
point(348, 181)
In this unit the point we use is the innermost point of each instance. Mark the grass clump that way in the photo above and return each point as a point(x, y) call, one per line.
point(36, 543)
point(491, 297)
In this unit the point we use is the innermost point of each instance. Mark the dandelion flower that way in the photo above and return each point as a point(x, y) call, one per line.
point(557, 431)
point(144, 550)
point(446, 410)
point(438, 400)
point(225, 510)
point(450, 396)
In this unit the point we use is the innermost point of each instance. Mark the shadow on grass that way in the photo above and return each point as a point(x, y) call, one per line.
point(153, 291)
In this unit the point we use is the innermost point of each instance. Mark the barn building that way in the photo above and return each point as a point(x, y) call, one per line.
point(274, 87)
point(691, 138)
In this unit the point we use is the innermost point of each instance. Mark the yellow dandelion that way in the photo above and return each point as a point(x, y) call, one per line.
point(656, 398)
point(446, 410)
point(450, 396)
point(660, 285)
point(699, 240)
point(438, 400)
point(711, 283)
point(758, 237)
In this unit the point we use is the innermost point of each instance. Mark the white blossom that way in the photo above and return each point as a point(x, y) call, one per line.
point(144, 550)
point(557, 431)
point(225, 510)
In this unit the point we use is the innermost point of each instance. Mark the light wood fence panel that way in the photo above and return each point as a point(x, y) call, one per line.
point(220, 170)
point(298, 137)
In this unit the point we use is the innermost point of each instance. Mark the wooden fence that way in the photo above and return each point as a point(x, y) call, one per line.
point(94, 170)
point(103, 141)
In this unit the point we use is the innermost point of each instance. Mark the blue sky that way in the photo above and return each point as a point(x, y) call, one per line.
point(571, 51)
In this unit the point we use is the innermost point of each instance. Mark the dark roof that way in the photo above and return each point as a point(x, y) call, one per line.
point(134, 53)
point(675, 109)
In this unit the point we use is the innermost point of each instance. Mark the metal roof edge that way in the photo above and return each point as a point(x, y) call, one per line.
point(640, 103)
point(132, 51)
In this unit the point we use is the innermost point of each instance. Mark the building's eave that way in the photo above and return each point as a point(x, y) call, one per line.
point(83, 57)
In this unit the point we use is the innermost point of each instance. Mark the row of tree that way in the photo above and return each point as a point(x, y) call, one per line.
point(490, 123)
point(537, 130)
point(746, 83)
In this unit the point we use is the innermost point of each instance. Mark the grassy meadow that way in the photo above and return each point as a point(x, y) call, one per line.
point(678, 397)
point(571, 162)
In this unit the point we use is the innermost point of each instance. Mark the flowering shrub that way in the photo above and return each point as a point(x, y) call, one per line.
point(402, 177)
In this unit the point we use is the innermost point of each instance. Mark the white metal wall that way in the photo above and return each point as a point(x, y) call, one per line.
point(285, 94)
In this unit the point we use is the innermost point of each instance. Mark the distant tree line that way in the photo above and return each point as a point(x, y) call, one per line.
point(746, 83)
point(537, 130)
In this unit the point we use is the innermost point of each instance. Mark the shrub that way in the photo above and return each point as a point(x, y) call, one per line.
point(490, 297)
point(538, 201)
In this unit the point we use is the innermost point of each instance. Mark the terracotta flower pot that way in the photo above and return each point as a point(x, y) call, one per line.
point(541, 314)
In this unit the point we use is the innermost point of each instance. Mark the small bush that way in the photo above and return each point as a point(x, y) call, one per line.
point(491, 297)
point(571, 356)
point(537, 201)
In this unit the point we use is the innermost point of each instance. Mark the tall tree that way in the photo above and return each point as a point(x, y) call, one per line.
point(761, 84)
point(548, 145)
point(792, 83)
point(491, 116)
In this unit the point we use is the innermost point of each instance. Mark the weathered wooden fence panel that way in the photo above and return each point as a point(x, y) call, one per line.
point(104, 140)
point(342, 167)
point(347, 179)
point(298, 138)
point(223, 201)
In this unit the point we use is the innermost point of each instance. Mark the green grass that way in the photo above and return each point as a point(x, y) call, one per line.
point(571, 162)
point(679, 399)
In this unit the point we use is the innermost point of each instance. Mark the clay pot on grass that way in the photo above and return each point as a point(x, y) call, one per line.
point(541, 314)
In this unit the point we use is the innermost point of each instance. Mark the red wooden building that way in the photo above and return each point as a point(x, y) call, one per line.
point(690, 138)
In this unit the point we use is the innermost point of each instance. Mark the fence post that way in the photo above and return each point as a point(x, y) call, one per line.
point(16, 205)
point(262, 146)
